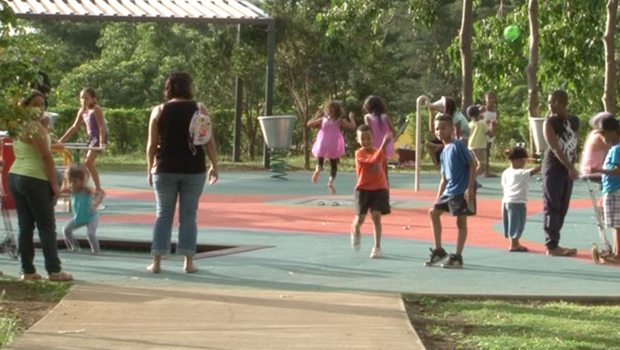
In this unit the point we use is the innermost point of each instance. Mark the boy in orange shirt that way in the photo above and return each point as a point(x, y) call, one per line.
point(371, 191)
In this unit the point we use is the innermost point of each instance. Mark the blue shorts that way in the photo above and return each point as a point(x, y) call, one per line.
point(514, 216)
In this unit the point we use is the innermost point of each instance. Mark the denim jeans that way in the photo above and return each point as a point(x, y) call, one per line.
point(35, 205)
point(187, 188)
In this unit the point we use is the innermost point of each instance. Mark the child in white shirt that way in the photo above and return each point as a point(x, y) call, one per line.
point(515, 182)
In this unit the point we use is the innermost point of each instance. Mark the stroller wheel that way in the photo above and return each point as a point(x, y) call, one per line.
point(594, 253)
point(12, 251)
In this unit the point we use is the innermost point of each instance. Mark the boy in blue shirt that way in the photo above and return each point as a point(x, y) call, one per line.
point(456, 192)
point(611, 183)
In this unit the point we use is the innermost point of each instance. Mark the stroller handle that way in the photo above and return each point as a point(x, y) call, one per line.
point(591, 177)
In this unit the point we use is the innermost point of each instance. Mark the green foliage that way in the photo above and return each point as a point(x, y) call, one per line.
point(15, 78)
point(128, 128)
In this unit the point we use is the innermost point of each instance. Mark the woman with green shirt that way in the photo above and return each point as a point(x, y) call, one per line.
point(34, 187)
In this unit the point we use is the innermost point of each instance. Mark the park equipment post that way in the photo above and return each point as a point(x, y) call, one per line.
point(278, 135)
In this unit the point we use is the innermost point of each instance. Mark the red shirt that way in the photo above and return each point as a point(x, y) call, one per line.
point(369, 165)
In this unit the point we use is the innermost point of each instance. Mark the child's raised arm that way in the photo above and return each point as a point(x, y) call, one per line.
point(317, 120)
point(535, 170)
point(75, 127)
point(386, 140)
point(348, 124)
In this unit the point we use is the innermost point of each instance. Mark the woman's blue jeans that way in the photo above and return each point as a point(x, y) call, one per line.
point(169, 187)
point(35, 205)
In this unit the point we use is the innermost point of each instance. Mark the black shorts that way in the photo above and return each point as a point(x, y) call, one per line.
point(456, 205)
point(378, 200)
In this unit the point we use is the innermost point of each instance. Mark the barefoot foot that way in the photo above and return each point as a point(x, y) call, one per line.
point(315, 176)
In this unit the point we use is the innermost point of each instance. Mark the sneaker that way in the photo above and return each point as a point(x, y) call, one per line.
point(455, 262)
point(437, 255)
point(356, 242)
point(559, 251)
point(31, 277)
point(375, 253)
point(60, 277)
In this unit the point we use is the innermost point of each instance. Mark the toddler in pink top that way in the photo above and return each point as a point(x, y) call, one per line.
point(595, 148)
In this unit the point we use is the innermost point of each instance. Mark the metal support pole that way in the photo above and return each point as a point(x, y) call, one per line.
point(271, 51)
point(238, 104)
point(418, 140)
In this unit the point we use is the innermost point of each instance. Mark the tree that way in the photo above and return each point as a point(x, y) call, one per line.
point(532, 67)
point(465, 37)
point(609, 96)
point(319, 44)
point(15, 77)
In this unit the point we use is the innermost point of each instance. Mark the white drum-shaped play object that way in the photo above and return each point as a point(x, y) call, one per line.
point(52, 116)
point(278, 130)
point(536, 125)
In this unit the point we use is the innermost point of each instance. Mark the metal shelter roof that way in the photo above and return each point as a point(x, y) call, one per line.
point(187, 11)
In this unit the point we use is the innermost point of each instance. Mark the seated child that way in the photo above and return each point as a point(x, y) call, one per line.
point(515, 182)
point(84, 201)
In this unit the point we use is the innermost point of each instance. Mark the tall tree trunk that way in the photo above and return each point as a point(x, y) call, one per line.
point(609, 96)
point(532, 67)
point(466, 33)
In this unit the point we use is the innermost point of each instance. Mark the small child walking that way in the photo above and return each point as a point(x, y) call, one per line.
point(90, 114)
point(456, 192)
point(611, 183)
point(490, 115)
point(329, 140)
point(380, 124)
point(84, 202)
point(477, 142)
point(371, 191)
point(515, 182)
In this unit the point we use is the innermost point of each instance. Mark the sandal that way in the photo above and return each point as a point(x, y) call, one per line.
point(31, 277)
point(60, 277)
point(191, 269)
point(519, 249)
point(153, 269)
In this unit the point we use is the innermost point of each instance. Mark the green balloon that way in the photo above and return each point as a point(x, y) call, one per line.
point(512, 33)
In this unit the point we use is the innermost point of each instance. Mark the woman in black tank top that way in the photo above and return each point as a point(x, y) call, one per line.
point(177, 170)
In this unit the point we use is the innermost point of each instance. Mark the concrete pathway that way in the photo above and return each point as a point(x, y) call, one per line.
point(94, 317)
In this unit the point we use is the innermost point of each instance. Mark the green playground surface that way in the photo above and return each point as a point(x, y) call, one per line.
point(305, 247)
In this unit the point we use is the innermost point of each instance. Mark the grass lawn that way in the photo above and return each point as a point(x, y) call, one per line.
point(22, 304)
point(137, 162)
point(508, 324)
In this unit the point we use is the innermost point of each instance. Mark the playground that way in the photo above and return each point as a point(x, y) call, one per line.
point(277, 236)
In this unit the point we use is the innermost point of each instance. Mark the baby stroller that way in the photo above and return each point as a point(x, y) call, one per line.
point(7, 245)
point(598, 255)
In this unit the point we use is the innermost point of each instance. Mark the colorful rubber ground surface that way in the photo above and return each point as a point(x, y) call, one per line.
point(302, 235)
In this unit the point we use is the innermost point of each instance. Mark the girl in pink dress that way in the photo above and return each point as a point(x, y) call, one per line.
point(329, 140)
point(380, 124)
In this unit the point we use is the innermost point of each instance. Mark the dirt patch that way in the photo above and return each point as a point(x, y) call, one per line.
point(427, 327)
point(29, 301)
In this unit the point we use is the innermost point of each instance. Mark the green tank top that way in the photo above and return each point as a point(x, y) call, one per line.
point(28, 161)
